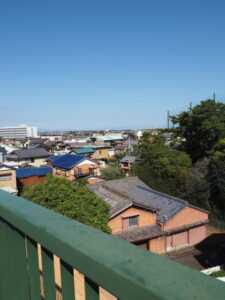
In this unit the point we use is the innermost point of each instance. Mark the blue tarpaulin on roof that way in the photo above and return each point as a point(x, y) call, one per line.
point(27, 172)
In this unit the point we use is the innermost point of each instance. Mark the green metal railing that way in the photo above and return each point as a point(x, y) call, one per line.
point(124, 270)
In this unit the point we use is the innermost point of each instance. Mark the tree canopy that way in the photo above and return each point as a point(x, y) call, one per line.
point(162, 168)
point(72, 200)
point(201, 127)
point(111, 172)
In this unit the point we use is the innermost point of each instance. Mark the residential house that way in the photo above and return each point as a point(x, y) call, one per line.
point(8, 179)
point(152, 220)
point(120, 149)
point(126, 163)
point(34, 157)
point(83, 151)
point(30, 176)
point(107, 139)
point(102, 152)
point(73, 167)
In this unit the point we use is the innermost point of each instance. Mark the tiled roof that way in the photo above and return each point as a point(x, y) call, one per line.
point(68, 161)
point(31, 153)
point(168, 206)
point(140, 233)
point(119, 193)
point(27, 172)
point(114, 193)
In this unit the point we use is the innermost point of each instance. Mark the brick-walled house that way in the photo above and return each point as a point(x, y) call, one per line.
point(73, 167)
point(30, 176)
point(152, 220)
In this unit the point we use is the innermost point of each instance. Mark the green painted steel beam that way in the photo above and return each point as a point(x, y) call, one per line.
point(125, 270)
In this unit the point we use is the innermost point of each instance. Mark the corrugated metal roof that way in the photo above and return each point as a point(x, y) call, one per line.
point(84, 150)
point(67, 161)
point(27, 172)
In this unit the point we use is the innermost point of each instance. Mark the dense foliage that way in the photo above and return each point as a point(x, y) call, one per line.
point(111, 172)
point(72, 200)
point(161, 168)
point(201, 127)
point(200, 135)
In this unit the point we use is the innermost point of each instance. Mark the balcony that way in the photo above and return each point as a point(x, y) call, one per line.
point(84, 172)
point(44, 255)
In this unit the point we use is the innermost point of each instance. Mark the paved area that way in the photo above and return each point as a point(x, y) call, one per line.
point(190, 259)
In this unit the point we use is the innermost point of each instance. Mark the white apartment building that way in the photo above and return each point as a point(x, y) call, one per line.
point(20, 131)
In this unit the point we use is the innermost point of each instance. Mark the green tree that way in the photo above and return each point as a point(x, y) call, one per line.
point(201, 127)
point(162, 168)
point(72, 200)
point(216, 178)
point(197, 185)
point(111, 172)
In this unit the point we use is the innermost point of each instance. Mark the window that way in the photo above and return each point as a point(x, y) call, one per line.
point(133, 221)
point(57, 172)
point(5, 177)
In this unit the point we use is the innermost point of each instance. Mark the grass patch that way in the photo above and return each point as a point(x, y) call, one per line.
point(220, 273)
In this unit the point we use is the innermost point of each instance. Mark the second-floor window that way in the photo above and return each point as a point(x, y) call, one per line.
point(129, 222)
point(133, 221)
point(5, 177)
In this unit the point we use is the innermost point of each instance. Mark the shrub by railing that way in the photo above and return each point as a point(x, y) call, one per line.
point(44, 255)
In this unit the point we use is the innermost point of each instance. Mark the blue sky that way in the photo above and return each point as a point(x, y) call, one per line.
point(107, 63)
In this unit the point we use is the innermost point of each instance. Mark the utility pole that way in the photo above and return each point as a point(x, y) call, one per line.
point(214, 96)
point(190, 108)
point(129, 157)
point(168, 119)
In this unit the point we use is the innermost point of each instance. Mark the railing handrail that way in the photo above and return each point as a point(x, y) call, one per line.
point(125, 270)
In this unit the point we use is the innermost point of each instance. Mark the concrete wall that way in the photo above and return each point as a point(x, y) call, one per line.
point(145, 218)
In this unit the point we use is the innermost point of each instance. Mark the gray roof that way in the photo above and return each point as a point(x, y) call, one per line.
point(128, 159)
point(168, 206)
point(31, 153)
point(140, 233)
point(114, 192)
point(122, 193)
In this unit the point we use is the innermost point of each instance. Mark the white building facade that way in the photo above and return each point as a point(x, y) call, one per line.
point(21, 131)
